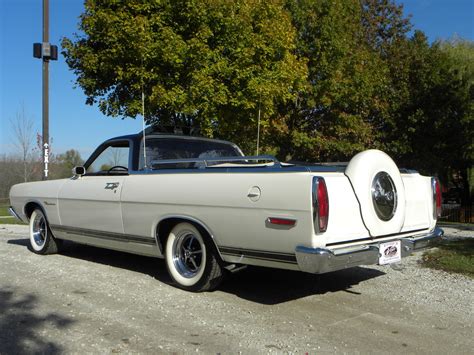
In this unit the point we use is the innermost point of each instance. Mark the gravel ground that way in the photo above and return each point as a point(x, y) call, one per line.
point(94, 300)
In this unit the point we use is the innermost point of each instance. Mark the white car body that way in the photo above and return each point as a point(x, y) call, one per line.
point(233, 204)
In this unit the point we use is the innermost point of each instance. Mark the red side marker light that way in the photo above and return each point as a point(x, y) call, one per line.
point(281, 221)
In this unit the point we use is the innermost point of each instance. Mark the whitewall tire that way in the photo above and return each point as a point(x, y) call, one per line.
point(367, 171)
point(42, 240)
point(191, 259)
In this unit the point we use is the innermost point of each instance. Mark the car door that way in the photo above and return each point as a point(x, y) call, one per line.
point(91, 202)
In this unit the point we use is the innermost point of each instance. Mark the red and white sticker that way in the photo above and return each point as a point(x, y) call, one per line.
point(390, 252)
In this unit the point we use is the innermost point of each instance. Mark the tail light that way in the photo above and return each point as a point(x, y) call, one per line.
point(320, 205)
point(436, 188)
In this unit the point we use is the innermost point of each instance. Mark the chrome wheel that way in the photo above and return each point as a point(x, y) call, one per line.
point(42, 240)
point(188, 254)
point(191, 260)
point(384, 196)
point(39, 230)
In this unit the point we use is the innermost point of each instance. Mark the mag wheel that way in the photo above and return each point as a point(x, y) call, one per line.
point(42, 240)
point(191, 260)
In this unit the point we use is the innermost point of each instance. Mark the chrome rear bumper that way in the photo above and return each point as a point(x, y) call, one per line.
point(321, 260)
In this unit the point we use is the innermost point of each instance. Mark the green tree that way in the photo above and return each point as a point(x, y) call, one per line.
point(430, 121)
point(70, 159)
point(205, 63)
point(63, 164)
point(331, 78)
point(347, 82)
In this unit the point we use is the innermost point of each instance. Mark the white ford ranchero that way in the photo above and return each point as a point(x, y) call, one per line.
point(206, 209)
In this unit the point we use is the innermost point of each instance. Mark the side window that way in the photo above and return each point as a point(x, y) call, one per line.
point(181, 148)
point(114, 156)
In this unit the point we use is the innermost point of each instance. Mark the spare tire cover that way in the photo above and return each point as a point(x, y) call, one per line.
point(379, 188)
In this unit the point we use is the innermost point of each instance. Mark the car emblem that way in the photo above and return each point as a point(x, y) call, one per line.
point(111, 185)
point(384, 196)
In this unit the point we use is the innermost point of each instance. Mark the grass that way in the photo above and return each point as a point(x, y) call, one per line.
point(456, 224)
point(452, 256)
point(10, 220)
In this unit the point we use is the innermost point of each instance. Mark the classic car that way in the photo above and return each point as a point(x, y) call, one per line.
point(208, 210)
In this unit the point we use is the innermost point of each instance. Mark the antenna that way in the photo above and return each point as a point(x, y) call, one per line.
point(258, 130)
point(143, 129)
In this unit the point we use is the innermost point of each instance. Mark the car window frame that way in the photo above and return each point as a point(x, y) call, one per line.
point(100, 149)
point(139, 154)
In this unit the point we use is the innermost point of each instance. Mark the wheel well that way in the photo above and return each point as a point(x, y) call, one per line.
point(30, 207)
point(165, 226)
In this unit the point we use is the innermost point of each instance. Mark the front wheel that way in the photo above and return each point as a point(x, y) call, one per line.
point(191, 260)
point(42, 240)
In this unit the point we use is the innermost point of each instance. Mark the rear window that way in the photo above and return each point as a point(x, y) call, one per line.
point(172, 148)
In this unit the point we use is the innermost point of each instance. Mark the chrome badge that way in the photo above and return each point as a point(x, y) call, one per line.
point(384, 196)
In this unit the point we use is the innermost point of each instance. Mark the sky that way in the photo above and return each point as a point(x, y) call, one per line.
point(75, 125)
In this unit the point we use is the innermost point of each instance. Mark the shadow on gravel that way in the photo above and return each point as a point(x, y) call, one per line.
point(273, 286)
point(22, 242)
point(256, 284)
point(142, 264)
point(20, 326)
point(261, 285)
point(146, 265)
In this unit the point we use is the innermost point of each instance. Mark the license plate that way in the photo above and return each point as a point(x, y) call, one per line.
point(390, 252)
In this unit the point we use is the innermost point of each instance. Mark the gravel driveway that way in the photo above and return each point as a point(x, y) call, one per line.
point(93, 300)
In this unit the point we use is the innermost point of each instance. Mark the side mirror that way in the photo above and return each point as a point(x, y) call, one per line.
point(79, 170)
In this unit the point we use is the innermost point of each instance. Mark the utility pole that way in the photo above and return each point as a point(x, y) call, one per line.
point(47, 52)
point(45, 90)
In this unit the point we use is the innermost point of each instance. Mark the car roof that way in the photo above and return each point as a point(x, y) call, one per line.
point(139, 135)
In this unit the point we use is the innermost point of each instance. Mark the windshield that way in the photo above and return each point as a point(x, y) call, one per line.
point(176, 148)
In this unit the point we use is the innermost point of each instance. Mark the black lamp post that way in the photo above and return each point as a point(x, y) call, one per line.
point(47, 52)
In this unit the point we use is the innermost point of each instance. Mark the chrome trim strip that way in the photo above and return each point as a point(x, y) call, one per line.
point(103, 235)
point(248, 170)
point(188, 219)
point(14, 214)
point(322, 260)
point(376, 238)
point(205, 161)
point(259, 254)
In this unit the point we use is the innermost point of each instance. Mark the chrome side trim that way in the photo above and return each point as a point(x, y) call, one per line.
point(274, 169)
point(185, 218)
point(206, 161)
point(119, 237)
point(259, 254)
point(14, 214)
point(322, 260)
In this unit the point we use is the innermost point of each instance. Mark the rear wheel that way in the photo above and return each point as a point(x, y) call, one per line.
point(42, 240)
point(191, 259)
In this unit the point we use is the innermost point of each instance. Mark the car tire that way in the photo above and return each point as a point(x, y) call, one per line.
point(191, 259)
point(42, 240)
point(361, 170)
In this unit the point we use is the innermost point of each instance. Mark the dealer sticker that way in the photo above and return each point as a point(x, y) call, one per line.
point(390, 252)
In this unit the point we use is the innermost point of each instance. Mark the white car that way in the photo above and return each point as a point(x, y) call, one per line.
point(206, 209)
